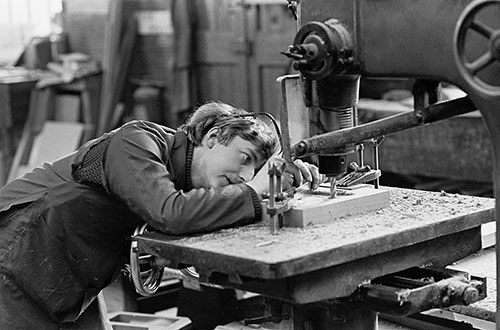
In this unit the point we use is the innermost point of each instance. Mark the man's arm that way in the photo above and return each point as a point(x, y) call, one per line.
point(136, 173)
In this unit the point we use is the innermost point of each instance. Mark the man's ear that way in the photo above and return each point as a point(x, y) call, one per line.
point(211, 136)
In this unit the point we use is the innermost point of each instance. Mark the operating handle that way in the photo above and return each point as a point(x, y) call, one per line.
point(147, 282)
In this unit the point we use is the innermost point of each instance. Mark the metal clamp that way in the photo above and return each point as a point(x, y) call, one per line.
point(276, 200)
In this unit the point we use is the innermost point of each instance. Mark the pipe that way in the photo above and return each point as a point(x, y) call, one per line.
point(327, 142)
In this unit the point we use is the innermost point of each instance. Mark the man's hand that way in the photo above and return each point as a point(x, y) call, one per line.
point(295, 174)
point(300, 172)
point(307, 173)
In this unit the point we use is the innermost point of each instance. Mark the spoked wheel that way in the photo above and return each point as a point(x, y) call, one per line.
point(470, 70)
point(146, 276)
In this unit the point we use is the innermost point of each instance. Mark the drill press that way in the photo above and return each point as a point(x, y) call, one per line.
point(323, 53)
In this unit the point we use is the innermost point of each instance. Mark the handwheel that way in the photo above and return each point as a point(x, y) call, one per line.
point(153, 276)
point(147, 276)
point(320, 49)
point(470, 70)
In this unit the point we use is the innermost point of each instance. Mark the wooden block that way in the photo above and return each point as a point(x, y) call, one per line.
point(488, 234)
point(316, 207)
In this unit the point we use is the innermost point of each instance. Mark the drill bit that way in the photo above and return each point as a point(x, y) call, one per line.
point(333, 187)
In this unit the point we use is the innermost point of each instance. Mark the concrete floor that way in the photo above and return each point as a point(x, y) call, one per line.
point(384, 325)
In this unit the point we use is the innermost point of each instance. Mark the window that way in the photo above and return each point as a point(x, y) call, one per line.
point(21, 20)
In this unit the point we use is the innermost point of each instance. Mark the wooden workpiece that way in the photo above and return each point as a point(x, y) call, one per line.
point(329, 260)
point(316, 207)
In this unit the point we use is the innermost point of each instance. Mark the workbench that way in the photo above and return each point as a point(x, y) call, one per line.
point(321, 262)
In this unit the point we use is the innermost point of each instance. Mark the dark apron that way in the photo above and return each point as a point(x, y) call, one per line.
point(62, 249)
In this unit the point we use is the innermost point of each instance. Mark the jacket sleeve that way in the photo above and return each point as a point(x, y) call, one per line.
point(136, 173)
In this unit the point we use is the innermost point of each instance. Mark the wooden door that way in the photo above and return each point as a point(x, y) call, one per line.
point(220, 65)
point(272, 29)
point(237, 48)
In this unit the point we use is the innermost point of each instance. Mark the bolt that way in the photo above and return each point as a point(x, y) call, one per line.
point(419, 116)
point(470, 295)
point(301, 148)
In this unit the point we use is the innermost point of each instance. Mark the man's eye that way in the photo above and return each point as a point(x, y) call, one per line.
point(245, 159)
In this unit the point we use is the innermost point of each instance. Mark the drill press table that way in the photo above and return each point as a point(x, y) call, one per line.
point(320, 262)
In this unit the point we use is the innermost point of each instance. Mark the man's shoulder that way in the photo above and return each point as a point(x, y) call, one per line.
point(148, 125)
point(173, 138)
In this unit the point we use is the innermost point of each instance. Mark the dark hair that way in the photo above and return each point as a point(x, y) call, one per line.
point(231, 122)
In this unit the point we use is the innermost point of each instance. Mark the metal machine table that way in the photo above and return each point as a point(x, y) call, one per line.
point(320, 262)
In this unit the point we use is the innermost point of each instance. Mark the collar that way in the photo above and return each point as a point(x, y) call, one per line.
point(189, 161)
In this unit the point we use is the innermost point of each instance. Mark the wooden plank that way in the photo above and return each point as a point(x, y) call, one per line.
point(316, 207)
point(488, 234)
point(57, 139)
point(121, 73)
point(111, 54)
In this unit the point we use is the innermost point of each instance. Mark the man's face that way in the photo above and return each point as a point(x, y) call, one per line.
point(228, 164)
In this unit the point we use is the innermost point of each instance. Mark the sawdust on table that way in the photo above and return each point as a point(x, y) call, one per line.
point(408, 209)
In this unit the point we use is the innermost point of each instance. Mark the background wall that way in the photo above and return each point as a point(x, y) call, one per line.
point(227, 50)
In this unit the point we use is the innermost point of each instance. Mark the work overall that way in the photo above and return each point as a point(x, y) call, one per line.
point(57, 253)
point(63, 236)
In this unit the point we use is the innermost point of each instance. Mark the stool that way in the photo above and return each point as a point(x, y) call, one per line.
point(147, 99)
point(88, 90)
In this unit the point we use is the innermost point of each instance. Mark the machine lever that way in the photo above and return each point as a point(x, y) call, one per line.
point(361, 174)
point(401, 295)
point(292, 5)
point(147, 280)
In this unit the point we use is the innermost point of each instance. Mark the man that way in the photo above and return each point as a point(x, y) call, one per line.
point(65, 227)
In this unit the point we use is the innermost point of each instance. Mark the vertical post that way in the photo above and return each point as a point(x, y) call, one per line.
point(490, 109)
point(273, 221)
point(375, 144)
point(294, 115)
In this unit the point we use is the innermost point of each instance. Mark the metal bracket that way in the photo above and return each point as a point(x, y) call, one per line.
point(276, 201)
point(418, 289)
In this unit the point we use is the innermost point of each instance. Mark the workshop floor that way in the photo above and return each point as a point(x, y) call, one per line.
point(384, 325)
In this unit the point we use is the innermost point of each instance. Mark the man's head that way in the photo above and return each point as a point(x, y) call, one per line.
point(231, 122)
point(231, 144)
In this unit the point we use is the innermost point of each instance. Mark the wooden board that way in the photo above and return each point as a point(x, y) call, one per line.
point(317, 207)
